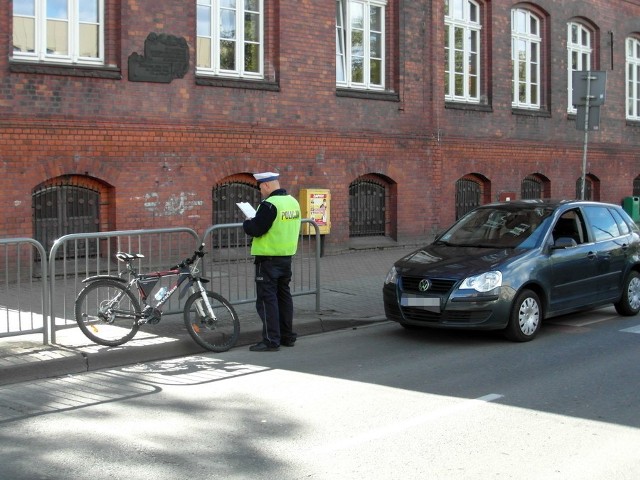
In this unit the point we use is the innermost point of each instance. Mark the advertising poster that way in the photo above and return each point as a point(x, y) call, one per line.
point(315, 205)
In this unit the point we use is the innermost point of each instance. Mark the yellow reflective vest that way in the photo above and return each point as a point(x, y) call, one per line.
point(282, 238)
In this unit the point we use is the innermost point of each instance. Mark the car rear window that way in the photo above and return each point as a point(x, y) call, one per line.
point(622, 225)
point(603, 225)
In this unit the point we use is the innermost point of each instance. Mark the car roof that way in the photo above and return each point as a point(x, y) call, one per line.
point(547, 203)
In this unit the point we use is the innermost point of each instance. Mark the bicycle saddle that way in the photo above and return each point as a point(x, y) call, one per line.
point(127, 257)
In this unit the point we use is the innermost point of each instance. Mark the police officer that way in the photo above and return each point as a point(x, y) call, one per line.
point(275, 230)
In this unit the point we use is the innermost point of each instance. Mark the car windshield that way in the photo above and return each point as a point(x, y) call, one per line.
point(501, 226)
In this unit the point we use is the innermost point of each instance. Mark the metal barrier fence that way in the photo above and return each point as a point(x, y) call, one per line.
point(23, 288)
point(160, 247)
point(40, 297)
point(232, 271)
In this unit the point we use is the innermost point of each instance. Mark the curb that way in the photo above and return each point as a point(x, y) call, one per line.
point(30, 363)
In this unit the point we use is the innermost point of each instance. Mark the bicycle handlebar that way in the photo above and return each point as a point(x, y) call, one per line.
point(189, 261)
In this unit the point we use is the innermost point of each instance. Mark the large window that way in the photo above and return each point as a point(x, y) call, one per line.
point(526, 41)
point(579, 55)
point(633, 79)
point(462, 51)
point(360, 44)
point(61, 31)
point(230, 38)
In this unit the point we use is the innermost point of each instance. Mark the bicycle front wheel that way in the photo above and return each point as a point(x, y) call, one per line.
point(107, 312)
point(217, 334)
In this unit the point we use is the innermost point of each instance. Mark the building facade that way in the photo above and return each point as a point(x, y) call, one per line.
point(135, 114)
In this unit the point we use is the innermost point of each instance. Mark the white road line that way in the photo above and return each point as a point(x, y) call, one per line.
point(635, 329)
point(581, 323)
point(413, 422)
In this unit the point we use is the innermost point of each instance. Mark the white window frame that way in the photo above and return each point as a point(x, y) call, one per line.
point(458, 18)
point(632, 80)
point(345, 52)
point(73, 20)
point(532, 42)
point(581, 51)
point(209, 19)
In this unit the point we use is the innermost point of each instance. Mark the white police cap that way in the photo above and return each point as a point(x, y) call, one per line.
point(266, 176)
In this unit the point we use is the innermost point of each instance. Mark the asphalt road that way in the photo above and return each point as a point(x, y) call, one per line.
point(375, 402)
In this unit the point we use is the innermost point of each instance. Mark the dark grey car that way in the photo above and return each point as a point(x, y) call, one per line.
point(510, 265)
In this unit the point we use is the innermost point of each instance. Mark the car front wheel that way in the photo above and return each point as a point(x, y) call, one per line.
point(525, 319)
point(629, 304)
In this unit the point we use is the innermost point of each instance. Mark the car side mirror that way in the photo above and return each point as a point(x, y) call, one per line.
point(564, 242)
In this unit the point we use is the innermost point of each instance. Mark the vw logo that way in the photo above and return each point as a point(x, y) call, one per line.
point(424, 285)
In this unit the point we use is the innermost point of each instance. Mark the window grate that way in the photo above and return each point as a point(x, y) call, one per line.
point(468, 195)
point(588, 188)
point(366, 209)
point(531, 188)
point(63, 209)
point(225, 210)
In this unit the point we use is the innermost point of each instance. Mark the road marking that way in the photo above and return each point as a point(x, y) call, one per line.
point(581, 323)
point(635, 329)
point(413, 422)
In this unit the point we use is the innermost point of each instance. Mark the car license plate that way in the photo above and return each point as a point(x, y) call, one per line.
point(431, 303)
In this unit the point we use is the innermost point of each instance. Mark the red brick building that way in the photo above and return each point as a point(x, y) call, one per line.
point(136, 114)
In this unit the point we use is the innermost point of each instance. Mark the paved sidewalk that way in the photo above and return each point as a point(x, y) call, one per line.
point(351, 295)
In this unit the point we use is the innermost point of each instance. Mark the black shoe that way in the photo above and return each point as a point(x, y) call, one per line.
point(263, 347)
point(288, 342)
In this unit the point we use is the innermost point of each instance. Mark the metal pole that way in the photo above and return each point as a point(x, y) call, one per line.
point(586, 137)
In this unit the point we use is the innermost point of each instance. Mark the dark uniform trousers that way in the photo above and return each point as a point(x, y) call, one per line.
point(274, 303)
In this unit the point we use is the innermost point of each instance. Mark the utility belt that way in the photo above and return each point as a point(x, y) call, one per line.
point(263, 258)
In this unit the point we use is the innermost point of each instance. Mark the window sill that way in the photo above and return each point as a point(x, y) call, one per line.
point(633, 123)
point(238, 83)
point(367, 94)
point(75, 70)
point(530, 113)
point(475, 107)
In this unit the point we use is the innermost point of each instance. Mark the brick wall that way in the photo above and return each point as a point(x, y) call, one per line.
point(155, 150)
point(163, 177)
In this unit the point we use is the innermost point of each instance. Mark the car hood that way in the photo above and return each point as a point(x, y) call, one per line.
point(455, 262)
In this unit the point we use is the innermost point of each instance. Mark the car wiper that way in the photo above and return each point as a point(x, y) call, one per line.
point(442, 242)
point(480, 245)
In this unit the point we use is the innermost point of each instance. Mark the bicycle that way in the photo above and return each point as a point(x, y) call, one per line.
point(108, 311)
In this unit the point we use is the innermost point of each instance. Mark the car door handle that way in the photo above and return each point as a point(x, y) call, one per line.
point(592, 255)
point(625, 246)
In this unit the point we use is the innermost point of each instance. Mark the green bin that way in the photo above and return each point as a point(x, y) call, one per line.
point(631, 205)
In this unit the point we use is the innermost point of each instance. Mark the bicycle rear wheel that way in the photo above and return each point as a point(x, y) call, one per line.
point(217, 335)
point(107, 312)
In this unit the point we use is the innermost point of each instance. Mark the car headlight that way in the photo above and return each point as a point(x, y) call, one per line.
point(392, 276)
point(484, 282)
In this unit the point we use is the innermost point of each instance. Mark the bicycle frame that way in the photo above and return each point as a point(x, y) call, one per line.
point(187, 271)
point(144, 294)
